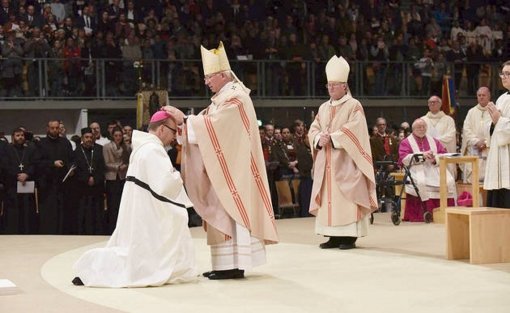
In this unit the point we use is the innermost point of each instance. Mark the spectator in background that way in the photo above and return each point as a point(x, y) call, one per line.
point(12, 52)
point(56, 160)
point(425, 66)
point(72, 66)
point(458, 58)
point(98, 136)
point(20, 161)
point(90, 173)
point(36, 47)
point(116, 157)
point(58, 9)
point(379, 54)
point(475, 58)
point(384, 146)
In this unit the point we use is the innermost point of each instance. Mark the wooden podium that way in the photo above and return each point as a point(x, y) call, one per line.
point(479, 234)
point(439, 214)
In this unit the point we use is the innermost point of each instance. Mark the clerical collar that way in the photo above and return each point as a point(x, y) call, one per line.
point(226, 86)
point(341, 100)
point(437, 115)
point(52, 138)
point(481, 108)
point(419, 138)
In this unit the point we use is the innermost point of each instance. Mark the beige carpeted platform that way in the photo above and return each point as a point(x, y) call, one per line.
point(395, 269)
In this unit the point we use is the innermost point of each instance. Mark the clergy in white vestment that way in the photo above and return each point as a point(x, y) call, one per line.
point(440, 125)
point(225, 175)
point(475, 136)
point(343, 192)
point(497, 174)
point(152, 244)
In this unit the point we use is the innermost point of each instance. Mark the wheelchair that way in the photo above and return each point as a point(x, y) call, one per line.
point(387, 200)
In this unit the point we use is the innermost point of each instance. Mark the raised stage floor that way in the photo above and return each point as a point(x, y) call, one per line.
point(395, 269)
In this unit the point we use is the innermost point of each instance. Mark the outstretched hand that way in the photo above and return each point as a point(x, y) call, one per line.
point(176, 114)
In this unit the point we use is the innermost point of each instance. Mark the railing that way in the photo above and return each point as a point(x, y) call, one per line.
point(56, 79)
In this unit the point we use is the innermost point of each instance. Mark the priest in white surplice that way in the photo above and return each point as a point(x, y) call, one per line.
point(225, 174)
point(475, 136)
point(343, 192)
point(440, 125)
point(152, 244)
point(497, 173)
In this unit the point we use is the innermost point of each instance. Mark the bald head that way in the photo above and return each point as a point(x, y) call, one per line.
point(483, 95)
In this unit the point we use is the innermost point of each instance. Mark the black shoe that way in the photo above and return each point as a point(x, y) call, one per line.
point(207, 274)
point(427, 217)
point(333, 242)
point(77, 281)
point(227, 274)
point(346, 246)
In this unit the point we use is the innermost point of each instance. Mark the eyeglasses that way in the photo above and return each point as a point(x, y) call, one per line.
point(172, 129)
point(504, 75)
point(208, 77)
point(332, 85)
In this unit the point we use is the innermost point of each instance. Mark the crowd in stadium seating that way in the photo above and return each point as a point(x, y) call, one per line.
point(429, 34)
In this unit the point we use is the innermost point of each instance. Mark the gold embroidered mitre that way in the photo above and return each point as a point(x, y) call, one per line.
point(337, 70)
point(214, 60)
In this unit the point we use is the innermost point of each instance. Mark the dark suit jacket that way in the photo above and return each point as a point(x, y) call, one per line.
point(378, 152)
point(80, 22)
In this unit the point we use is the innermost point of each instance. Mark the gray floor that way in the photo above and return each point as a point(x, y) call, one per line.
point(395, 269)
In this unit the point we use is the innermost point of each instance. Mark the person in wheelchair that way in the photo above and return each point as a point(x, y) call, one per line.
point(384, 148)
point(418, 153)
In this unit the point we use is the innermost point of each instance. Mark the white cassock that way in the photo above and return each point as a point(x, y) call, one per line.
point(473, 131)
point(442, 127)
point(497, 174)
point(152, 244)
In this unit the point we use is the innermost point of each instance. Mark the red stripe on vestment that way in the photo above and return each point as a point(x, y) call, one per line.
point(262, 190)
point(226, 173)
point(242, 112)
point(356, 142)
point(359, 108)
point(328, 171)
point(255, 171)
point(328, 183)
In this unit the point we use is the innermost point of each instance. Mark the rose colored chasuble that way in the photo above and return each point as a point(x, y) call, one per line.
point(225, 175)
point(343, 192)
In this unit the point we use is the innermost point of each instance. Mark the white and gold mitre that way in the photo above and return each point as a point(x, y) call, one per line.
point(214, 60)
point(337, 69)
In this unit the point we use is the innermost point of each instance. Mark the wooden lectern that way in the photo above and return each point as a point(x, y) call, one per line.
point(439, 214)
